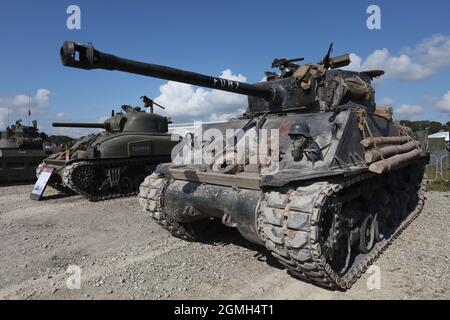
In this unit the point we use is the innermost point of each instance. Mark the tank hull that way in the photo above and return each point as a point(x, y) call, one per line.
point(113, 165)
point(18, 165)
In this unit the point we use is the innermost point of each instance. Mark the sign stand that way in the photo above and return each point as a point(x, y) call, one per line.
point(41, 184)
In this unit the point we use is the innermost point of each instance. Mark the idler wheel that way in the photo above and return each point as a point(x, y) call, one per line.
point(380, 226)
point(367, 234)
point(379, 213)
point(342, 253)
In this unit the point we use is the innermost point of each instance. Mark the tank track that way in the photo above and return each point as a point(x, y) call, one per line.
point(151, 201)
point(70, 178)
point(289, 222)
point(60, 187)
point(290, 225)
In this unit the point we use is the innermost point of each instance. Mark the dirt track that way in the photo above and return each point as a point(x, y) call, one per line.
point(124, 255)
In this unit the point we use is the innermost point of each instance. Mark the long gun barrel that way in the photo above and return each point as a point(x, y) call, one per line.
point(87, 57)
point(79, 125)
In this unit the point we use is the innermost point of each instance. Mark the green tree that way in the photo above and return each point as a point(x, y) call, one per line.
point(435, 127)
point(430, 126)
point(60, 139)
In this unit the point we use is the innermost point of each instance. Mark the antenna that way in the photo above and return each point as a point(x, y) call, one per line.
point(29, 110)
point(327, 58)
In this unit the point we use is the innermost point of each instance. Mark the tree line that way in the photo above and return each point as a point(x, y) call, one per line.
point(427, 125)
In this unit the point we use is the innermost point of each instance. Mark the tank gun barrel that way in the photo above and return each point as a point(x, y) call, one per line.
point(79, 125)
point(87, 57)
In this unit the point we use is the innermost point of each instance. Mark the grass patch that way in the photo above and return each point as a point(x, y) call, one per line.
point(439, 185)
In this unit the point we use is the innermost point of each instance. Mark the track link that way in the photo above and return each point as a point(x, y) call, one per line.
point(152, 202)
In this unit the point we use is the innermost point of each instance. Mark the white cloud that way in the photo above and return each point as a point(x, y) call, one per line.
point(430, 99)
point(385, 102)
point(39, 103)
point(397, 67)
point(408, 112)
point(433, 52)
point(225, 116)
point(19, 104)
point(417, 63)
point(443, 105)
point(184, 102)
point(16, 107)
point(102, 119)
point(42, 97)
point(4, 118)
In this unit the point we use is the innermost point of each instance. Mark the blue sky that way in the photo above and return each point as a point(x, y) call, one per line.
point(211, 37)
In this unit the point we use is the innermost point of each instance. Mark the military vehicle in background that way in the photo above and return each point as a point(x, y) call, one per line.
point(21, 151)
point(114, 162)
point(312, 170)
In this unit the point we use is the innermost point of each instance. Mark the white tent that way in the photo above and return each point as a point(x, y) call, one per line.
point(445, 135)
point(183, 128)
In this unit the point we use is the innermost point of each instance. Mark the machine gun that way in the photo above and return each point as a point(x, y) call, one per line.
point(149, 103)
point(285, 63)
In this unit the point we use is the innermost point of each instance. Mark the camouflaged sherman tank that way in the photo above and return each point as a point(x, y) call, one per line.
point(312, 170)
point(21, 151)
point(113, 163)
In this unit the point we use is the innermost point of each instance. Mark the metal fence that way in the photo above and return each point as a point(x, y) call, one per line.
point(438, 168)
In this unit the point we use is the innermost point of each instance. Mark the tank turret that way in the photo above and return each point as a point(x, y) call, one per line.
point(308, 87)
point(130, 119)
point(21, 136)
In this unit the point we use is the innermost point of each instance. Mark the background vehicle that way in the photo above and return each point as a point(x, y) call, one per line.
point(21, 151)
point(114, 162)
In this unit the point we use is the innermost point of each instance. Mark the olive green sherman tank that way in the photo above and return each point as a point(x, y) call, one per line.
point(21, 151)
point(312, 170)
point(113, 163)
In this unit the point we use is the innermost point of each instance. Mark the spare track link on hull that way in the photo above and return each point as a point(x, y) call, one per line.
point(151, 201)
point(101, 165)
point(289, 223)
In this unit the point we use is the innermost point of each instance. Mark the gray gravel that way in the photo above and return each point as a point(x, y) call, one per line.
point(124, 255)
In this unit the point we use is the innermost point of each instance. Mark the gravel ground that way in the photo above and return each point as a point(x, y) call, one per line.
point(124, 255)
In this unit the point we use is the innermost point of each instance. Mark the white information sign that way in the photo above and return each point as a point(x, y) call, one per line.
point(41, 183)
